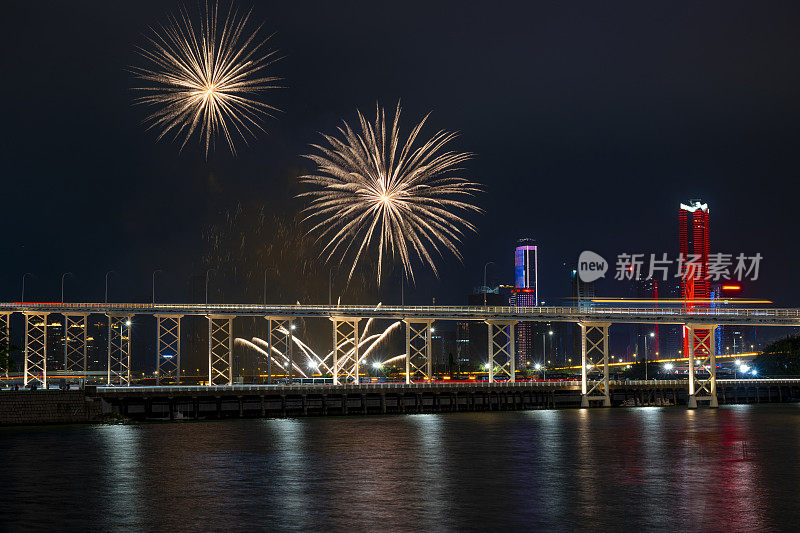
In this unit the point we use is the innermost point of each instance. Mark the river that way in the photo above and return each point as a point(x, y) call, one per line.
point(735, 469)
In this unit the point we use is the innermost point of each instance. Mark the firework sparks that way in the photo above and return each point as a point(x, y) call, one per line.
point(206, 78)
point(372, 189)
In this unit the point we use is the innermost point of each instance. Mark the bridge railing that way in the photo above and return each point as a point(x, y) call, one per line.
point(596, 312)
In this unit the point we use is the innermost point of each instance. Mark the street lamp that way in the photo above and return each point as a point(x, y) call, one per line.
point(651, 335)
point(265, 283)
point(154, 284)
point(107, 275)
point(63, 276)
point(22, 300)
point(207, 272)
point(484, 281)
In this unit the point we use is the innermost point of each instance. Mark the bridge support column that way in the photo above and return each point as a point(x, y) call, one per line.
point(280, 339)
point(168, 348)
point(418, 349)
point(5, 333)
point(501, 350)
point(702, 353)
point(345, 350)
point(75, 327)
point(594, 346)
point(119, 350)
point(220, 350)
point(35, 348)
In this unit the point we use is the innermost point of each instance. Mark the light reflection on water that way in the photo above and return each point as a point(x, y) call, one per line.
point(735, 468)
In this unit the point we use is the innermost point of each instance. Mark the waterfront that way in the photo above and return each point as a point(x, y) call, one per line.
point(642, 468)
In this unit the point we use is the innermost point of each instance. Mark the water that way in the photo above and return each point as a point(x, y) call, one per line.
point(733, 469)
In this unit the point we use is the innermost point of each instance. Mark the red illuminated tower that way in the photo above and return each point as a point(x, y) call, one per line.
point(693, 231)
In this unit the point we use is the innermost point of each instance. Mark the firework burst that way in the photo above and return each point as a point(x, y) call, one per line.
point(372, 190)
point(206, 78)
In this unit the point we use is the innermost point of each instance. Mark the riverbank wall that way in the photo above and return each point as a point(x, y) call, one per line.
point(37, 407)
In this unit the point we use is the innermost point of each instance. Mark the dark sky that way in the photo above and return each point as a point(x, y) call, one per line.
point(591, 122)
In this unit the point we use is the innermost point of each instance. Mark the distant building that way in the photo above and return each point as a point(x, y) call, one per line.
point(526, 270)
point(525, 294)
point(693, 237)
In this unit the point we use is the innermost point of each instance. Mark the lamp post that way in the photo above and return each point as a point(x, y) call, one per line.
point(22, 300)
point(154, 284)
point(651, 335)
point(265, 282)
point(484, 280)
point(207, 272)
point(64, 275)
point(107, 275)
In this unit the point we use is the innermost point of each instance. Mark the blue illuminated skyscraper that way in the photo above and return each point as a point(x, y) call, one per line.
point(526, 270)
point(525, 294)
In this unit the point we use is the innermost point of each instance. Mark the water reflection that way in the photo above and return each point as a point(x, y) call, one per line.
point(653, 468)
point(121, 474)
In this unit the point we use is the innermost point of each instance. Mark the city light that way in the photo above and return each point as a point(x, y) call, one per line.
point(376, 365)
point(668, 366)
point(128, 323)
point(743, 368)
point(537, 366)
point(486, 366)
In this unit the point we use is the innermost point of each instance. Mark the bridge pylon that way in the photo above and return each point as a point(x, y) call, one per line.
point(5, 329)
point(75, 326)
point(702, 352)
point(594, 346)
point(35, 348)
point(220, 349)
point(119, 350)
point(281, 339)
point(345, 349)
point(168, 348)
point(501, 350)
point(418, 349)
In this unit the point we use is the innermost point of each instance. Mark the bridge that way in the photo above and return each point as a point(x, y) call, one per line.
point(699, 323)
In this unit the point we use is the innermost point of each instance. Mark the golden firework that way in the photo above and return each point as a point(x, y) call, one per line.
point(206, 78)
point(372, 189)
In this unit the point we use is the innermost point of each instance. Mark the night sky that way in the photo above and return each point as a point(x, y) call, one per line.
point(590, 121)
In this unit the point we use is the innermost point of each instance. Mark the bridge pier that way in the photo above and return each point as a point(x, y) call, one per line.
point(35, 366)
point(75, 326)
point(220, 350)
point(501, 349)
point(280, 338)
point(702, 348)
point(119, 350)
point(168, 348)
point(418, 349)
point(594, 343)
point(345, 349)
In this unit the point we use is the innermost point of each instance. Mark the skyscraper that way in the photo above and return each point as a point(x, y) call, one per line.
point(693, 235)
point(525, 294)
point(526, 270)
